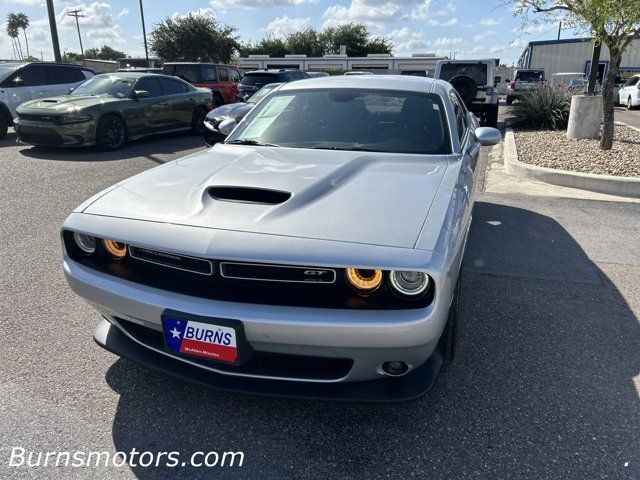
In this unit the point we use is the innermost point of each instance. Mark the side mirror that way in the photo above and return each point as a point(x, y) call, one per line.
point(227, 126)
point(140, 93)
point(17, 82)
point(488, 136)
point(507, 81)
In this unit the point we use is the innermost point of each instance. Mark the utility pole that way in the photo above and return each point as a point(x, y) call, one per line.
point(144, 35)
point(54, 31)
point(76, 13)
point(559, 30)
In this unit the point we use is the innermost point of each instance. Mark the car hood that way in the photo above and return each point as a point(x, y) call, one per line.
point(65, 103)
point(359, 197)
point(232, 110)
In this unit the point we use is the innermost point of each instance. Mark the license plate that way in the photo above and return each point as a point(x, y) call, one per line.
point(217, 339)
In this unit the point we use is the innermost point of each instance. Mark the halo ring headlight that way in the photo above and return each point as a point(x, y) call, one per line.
point(118, 250)
point(86, 243)
point(410, 284)
point(363, 280)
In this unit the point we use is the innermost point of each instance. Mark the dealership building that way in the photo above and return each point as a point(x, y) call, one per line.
point(416, 64)
point(574, 55)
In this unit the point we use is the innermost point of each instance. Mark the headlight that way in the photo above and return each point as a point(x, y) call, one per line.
point(365, 281)
point(117, 250)
point(86, 243)
point(409, 284)
point(75, 118)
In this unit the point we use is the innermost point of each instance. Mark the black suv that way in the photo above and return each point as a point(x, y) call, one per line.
point(255, 80)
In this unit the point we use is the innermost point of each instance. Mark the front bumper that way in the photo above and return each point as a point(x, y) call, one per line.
point(51, 134)
point(369, 338)
point(413, 385)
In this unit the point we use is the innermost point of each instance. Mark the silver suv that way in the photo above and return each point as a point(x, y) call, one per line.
point(476, 82)
point(523, 81)
point(21, 82)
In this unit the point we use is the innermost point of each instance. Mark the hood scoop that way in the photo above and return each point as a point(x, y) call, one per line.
point(260, 196)
point(49, 101)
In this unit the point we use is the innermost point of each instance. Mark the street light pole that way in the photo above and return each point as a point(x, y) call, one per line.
point(54, 31)
point(144, 35)
point(76, 13)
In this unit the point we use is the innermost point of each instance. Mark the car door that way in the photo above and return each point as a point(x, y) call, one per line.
point(153, 109)
point(28, 83)
point(182, 102)
point(627, 90)
point(224, 82)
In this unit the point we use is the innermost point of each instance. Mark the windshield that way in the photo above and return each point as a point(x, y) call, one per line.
point(477, 71)
point(5, 72)
point(260, 94)
point(535, 76)
point(109, 85)
point(348, 119)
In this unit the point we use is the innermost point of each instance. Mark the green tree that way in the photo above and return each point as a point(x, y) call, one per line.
point(194, 37)
point(305, 42)
point(104, 53)
point(13, 30)
point(22, 22)
point(615, 23)
point(356, 37)
point(71, 57)
point(272, 46)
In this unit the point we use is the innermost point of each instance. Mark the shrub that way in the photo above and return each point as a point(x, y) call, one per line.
point(543, 109)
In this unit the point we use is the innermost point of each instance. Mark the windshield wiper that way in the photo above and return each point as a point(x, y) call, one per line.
point(251, 142)
point(348, 149)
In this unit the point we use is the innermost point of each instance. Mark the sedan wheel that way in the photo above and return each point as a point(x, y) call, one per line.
point(197, 123)
point(111, 133)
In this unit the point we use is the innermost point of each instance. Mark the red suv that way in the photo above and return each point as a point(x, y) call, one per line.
point(223, 80)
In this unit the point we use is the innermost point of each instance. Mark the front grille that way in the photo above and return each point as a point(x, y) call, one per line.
point(39, 118)
point(39, 136)
point(276, 273)
point(267, 364)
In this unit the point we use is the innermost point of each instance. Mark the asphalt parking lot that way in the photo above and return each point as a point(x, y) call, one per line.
point(545, 385)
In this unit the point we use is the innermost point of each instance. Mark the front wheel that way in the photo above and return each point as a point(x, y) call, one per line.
point(629, 103)
point(111, 133)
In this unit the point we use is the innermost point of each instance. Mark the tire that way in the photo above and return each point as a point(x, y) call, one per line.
point(197, 121)
point(466, 87)
point(217, 100)
point(4, 126)
point(491, 117)
point(450, 334)
point(629, 103)
point(111, 133)
point(509, 100)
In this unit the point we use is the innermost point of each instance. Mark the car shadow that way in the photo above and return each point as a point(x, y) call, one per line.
point(158, 148)
point(541, 387)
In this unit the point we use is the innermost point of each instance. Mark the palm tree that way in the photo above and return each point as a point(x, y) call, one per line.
point(23, 23)
point(13, 30)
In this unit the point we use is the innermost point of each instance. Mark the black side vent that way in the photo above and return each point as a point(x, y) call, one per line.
point(249, 195)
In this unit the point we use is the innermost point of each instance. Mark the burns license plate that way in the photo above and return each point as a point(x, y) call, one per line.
point(217, 339)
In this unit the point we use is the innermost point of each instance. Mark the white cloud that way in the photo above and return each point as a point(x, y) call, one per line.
point(421, 12)
point(372, 13)
point(123, 13)
point(490, 22)
point(406, 41)
point(251, 4)
point(443, 23)
point(448, 42)
point(484, 35)
point(283, 26)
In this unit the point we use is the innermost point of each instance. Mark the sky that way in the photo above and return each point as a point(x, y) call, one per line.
point(468, 28)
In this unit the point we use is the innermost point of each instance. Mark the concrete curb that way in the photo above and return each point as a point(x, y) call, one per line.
point(621, 186)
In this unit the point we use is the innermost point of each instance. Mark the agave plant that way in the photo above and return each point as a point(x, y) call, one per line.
point(543, 108)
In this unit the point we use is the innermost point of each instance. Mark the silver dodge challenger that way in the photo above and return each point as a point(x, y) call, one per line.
point(314, 254)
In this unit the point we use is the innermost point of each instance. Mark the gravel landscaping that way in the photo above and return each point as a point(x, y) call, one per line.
point(552, 149)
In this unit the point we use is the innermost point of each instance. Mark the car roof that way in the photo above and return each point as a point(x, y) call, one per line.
point(135, 75)
point(46, 64)
point(272, 71)
point(381, 82)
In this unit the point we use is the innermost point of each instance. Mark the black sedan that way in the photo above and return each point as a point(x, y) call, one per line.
point(235, 111)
